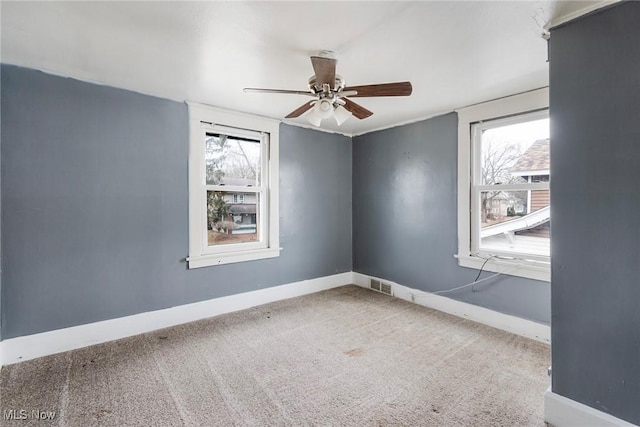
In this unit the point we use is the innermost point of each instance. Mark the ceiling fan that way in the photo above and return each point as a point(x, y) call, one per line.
point(332, 95)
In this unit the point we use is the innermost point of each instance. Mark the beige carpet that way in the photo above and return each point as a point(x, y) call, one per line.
point(347, 356)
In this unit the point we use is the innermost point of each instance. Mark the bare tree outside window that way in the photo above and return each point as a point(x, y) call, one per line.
point(231, 158)
point(498, 157)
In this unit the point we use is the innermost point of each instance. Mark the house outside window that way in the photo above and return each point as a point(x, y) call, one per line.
point(233, 191)
point(503, 186)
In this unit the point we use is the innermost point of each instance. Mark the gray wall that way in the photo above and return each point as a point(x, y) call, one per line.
point(94, 209)
point(405, 218)
point(1, 317)
point(595, 126)
point(94, 206)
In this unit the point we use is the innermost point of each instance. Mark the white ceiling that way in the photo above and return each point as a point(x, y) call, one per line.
point(455, 53)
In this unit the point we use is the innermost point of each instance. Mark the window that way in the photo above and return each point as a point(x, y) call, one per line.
point(233, 187)
point(510, 203)
point(503, 186)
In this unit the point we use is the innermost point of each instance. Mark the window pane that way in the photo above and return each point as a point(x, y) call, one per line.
point(515, 221)
point(231, 218)
point(231, 160)
point(515, 153)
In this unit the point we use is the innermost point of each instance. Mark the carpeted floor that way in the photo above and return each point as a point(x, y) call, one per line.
point(347, 356)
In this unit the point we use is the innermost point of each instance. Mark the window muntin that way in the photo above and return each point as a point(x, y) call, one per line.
point(510, 209)
point(233, 187)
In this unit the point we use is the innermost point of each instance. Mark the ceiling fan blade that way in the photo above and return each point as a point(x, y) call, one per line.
point(356, 109)
point(325, 69)
point(283, 91)
point(382, 89)
point(300, 110)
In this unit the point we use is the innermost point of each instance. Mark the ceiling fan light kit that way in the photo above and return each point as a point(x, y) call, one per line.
point(341, 114)
point(323, 108)
point(313, 118)
point(331, 93)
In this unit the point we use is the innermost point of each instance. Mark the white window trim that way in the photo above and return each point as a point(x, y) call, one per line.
point(476, 189)
point(199, 254)
point(504, 107)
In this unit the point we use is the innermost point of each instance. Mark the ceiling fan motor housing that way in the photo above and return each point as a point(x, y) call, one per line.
point(338, 85)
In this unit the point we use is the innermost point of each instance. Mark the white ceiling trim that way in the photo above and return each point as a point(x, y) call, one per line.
point(578, 13)
point(310, 126)
point(407, 122)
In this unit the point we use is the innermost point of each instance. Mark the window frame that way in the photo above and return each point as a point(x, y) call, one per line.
point(477, 187)
point(503, 109)
point(205, 119)
point(260, 191)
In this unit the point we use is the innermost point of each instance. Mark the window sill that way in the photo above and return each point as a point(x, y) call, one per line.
point(529, 270)
point(231, 257)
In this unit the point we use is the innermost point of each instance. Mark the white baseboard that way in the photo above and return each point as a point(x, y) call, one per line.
point(506, 322)
point(28, 347)
point(560, 411)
